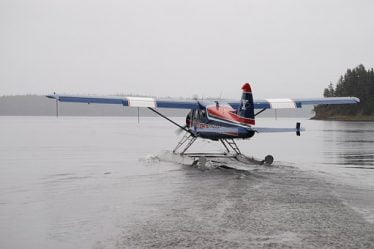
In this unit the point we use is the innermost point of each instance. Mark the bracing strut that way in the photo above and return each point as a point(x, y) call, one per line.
point(230, 143)
point(187, 139)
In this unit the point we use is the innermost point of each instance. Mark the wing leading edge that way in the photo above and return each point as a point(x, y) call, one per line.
point(298, 103)
point(128, 101)
point(193, 104)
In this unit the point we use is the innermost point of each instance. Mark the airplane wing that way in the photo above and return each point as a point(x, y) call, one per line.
point(192, 104)
point(297, 103)
point(129, 101)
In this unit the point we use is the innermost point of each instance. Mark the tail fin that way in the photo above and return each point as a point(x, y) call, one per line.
point(246, 108)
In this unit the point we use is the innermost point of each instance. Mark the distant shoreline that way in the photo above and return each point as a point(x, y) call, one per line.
point(358, 118)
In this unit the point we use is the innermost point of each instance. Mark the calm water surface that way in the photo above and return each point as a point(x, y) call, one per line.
point(80, 182)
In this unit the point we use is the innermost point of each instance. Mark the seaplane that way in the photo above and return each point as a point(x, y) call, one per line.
point(219, 120)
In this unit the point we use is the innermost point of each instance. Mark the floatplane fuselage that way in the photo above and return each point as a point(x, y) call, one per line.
point(219, 120)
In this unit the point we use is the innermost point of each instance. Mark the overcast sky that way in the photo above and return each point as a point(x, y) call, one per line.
point(181, 48)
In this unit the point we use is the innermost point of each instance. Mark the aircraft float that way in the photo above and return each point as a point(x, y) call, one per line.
point(218, 120)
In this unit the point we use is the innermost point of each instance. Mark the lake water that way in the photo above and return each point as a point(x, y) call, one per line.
point(97, 182)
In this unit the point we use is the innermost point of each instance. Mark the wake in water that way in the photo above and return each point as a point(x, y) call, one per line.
point(206, 163)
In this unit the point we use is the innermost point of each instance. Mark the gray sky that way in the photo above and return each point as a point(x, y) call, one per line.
point(181, 48)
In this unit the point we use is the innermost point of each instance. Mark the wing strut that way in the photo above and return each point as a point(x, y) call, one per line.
point(138, 115)
point(56, 104)
point(168, 119)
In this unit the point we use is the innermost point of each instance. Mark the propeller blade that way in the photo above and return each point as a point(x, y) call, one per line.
point(180, 130)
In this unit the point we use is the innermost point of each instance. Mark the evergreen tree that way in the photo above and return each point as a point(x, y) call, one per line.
point(329, 91)
point(357, 82)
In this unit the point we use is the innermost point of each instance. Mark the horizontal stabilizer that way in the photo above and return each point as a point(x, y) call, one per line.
point(297, 129)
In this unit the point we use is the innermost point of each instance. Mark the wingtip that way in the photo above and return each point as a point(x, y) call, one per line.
point(52, 96)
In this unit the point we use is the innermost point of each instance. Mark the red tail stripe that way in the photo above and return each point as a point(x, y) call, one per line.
point(227, 113)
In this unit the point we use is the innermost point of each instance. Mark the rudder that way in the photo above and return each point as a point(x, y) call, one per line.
point(246, 108)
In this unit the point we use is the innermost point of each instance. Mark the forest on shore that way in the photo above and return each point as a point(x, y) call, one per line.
point(357, 82)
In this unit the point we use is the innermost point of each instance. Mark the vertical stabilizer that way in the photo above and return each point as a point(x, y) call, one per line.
point(246, 108)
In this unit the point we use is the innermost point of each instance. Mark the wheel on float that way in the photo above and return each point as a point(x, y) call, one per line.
point(269, 159)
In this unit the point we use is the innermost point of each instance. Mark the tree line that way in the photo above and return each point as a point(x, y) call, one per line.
point(357, 82)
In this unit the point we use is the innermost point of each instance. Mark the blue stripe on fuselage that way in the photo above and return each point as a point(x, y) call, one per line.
point(216, 130)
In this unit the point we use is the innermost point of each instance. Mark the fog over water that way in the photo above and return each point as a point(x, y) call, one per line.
point(101, 182)
point(181, 48)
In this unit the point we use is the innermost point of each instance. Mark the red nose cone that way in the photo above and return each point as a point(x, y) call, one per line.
point(246, 88)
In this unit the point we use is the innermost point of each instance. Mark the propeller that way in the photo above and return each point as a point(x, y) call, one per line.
point(186, 126)
point(180, 130)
